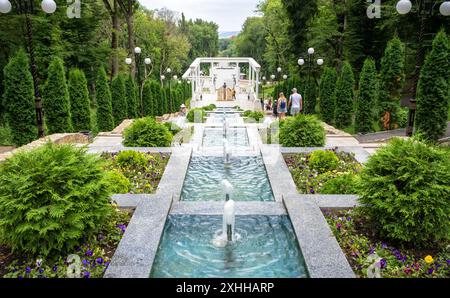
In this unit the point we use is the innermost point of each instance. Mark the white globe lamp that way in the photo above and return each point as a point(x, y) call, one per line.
point(147, 61)
point(444, 9)
point(319, 62)
point(48, 6)
point(404, 6)
point(5, 6)
point(301, 61)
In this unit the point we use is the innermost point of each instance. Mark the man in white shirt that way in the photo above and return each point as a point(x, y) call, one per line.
point(295, 102)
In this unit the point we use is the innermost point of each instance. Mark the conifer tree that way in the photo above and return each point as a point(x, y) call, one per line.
point(56, 101)
point(132, 98)
point(392, 78)
point(157, 100)
point(147, 99)
point(368, 93)
point(79, 101)
point(18, 100)
point(344, 97)
point(119, 99)
point(309, 98)
point(434, 90)
point(327, 95)
point(105, 120)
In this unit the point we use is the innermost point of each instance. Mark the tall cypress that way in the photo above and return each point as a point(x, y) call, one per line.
point(18, 99)
point(132, 98)
point(309, 98)
point(56, 101)
point(164, 101)
point(157, 102)
point(105, 120)
point(434, 90)
point(327, 94)
point(79, 101)
point(147, 99)
point(368, 93)
point(344, 97)
point(119, 99)
point(392, 78)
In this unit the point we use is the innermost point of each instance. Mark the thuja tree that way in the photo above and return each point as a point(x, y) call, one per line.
point(105, 120)
point(433, 90)
point(327, 95)
point(119, 100)
point(164, 100)
point(368, 92)
point(157, 100)
point(392, 78)
point(18, 100)
point(132, 98)
point(309, 97)
point(344, 97)
point(56, 99)
point(147, 99)
point(79, 101)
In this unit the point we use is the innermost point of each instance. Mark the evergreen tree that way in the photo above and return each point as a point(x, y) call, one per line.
point(368, 93)
point(164, 100)
point(119, 100)
point(56, 101)
point(147, 99)
point(105, 120)
point(157, 100)
point(79, 101)
point(132, 98)
point(392, 78)
point(434, 90)
point(309, 98)
point(18, 99)
point(344, 97)
point(327, 95)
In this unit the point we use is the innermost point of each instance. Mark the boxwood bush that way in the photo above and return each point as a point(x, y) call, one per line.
point(192, 114)
point(323, 161)
point(51, 198)
point(146, 132)
point(405, 188)
point(302, 131)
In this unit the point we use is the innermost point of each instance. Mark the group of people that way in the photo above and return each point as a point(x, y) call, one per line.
point(281, 105)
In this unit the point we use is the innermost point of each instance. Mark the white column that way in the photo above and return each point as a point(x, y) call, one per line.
point(257, 84)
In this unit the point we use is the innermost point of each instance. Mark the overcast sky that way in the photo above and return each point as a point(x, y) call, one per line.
point(228, 14)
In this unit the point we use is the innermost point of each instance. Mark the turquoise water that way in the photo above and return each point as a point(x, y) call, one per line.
point(267, 248)
point(247, 175)
point(237, 137)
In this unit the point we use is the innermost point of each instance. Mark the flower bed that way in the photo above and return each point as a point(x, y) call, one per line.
point(142, 171)
point(326, 175)
point(373, 257)
point(91, 257)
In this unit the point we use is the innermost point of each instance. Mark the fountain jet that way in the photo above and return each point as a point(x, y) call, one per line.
point(227, 189)
point(229, 219)
point(226, 153)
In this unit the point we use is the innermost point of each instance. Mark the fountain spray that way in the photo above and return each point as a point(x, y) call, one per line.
point(227, 189)
point(229, 219)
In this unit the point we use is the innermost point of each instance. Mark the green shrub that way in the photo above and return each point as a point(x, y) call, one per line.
point(302, 131)
point(79, 101)
point(5, 136)
point(210, 107)
point(433, 96)
point(105, 120)
point(130, 158)
point(56, 100)
point(196, 114)
point(406, 191)
point(401, 117)
point(172, 127)
point(323, 161)
point(255, 115)
point(342, 184)
point(119, 183)
point(20, 112)
point(119, 99)
point(146, 132)
point(51, 198)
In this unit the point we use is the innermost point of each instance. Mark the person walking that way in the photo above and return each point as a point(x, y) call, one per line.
point(295, 102)
point(282, 106)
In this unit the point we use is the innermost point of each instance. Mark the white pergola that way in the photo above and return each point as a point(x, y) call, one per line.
point(198, 79)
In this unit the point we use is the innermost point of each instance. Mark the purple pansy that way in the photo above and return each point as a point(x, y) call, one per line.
point(89, 253)
point(87, 274)
point(383, 263)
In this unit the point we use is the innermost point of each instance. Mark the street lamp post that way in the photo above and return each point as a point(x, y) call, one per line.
point(169, 71)
point(26, 8)
point(422, 14)
point(310, 55)
point(141, 81)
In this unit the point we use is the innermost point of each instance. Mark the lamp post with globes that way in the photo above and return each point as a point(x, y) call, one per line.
point(424, 10)
point(141, 80)
point(310, 64)
point(26, 8)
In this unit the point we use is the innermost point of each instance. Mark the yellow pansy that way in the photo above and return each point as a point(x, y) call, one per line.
point(429, 259)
